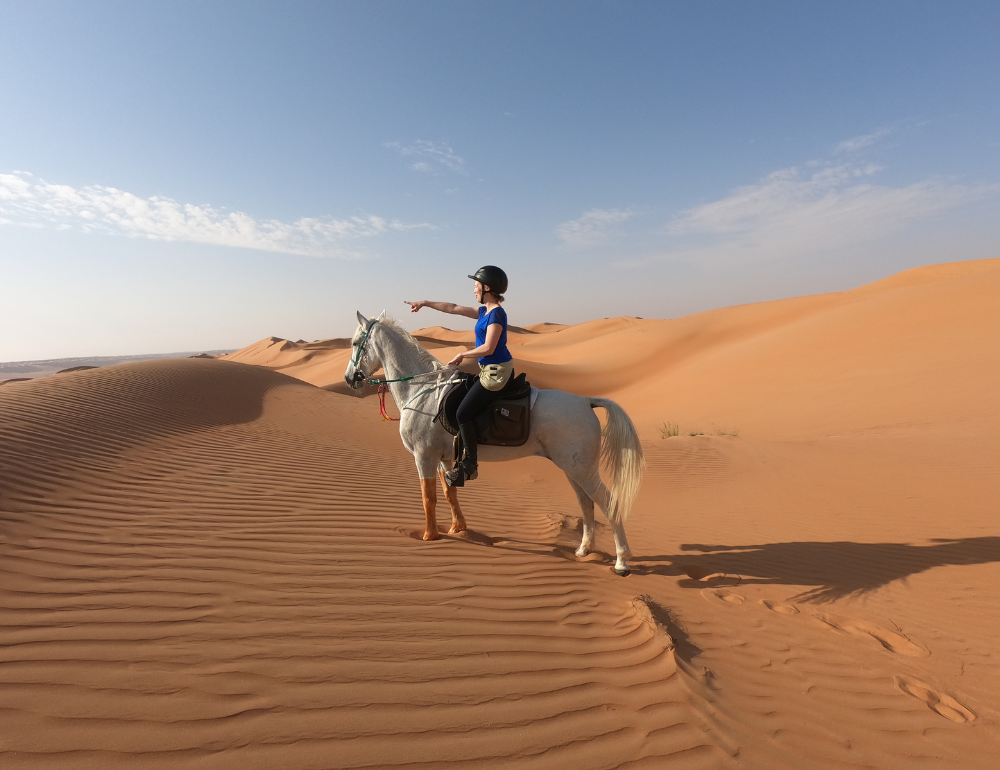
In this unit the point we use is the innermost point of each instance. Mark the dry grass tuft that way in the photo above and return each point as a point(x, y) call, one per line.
point(669, 429)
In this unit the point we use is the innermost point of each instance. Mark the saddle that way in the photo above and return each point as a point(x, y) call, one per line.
point(505, 422)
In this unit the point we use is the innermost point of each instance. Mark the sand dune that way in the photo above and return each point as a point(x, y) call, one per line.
point(213, 563)
point(17, 371)
point(919, 348)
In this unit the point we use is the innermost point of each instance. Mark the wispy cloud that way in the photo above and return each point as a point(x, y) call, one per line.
point(25, 201)
point(593, 228)
point(793, 213)
point(861, 142)
point(430, 157)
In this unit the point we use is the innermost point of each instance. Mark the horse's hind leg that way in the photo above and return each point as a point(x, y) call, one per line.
point(587, 505)
point(603, 498)
point(457, 517)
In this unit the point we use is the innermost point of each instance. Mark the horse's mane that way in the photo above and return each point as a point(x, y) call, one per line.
point(392, 325)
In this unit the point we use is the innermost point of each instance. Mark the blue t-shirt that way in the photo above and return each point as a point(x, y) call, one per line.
point(495, 316)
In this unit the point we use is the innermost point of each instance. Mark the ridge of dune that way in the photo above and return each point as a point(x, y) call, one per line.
point(445, 334)
point(932, 273)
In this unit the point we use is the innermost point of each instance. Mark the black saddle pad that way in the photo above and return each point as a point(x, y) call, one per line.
point(507, 420)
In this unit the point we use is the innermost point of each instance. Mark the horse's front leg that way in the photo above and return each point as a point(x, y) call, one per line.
point(457, 517)
point(429, 492)
point(427, 468)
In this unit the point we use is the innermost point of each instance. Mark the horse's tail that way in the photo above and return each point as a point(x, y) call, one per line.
point(621, 454)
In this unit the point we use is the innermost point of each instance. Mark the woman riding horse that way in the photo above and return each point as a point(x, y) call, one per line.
point(495, 361)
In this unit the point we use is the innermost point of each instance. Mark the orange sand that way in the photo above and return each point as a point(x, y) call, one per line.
point(214, 565)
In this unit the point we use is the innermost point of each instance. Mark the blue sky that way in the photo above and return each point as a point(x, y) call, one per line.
point(185, 176)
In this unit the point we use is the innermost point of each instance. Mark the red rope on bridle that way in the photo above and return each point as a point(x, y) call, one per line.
point(382, 390)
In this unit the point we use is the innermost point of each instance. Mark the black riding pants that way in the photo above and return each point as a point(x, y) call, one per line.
point(475, 401)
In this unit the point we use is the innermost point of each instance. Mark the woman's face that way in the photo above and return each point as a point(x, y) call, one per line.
point(478, 291)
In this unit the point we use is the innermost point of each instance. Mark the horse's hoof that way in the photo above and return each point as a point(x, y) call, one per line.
point(623, 572)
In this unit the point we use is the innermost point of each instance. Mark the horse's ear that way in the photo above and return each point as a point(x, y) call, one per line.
point(381, 316)
point(362, 320)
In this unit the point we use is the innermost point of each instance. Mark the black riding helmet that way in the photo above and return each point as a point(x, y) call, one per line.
point(492, 276)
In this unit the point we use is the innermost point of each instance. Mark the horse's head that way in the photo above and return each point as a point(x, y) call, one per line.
point(365, 355)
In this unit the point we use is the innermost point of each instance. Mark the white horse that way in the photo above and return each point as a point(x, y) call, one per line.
point(564, 429)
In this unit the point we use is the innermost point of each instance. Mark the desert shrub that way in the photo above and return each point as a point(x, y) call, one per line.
point(669, 429)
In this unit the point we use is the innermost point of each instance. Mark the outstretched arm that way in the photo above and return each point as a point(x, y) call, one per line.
point(444, 307)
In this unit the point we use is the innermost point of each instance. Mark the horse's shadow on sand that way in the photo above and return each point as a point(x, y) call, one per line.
point(835, 570)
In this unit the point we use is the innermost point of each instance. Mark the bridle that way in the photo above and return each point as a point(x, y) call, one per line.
point(383, 388)
point(359, 375)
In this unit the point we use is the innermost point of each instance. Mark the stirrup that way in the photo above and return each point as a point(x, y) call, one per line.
point(456, 476)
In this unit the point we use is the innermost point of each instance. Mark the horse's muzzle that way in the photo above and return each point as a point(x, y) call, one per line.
point(357, 380)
